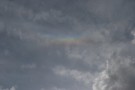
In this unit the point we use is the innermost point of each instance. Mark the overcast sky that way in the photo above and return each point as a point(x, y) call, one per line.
point(67, 45)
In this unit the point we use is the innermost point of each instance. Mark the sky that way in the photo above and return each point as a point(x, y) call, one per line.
point(67, 45)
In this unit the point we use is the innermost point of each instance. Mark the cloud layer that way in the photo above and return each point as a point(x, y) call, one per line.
point(67, 44)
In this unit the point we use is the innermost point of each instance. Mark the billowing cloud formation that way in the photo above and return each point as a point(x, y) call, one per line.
point(119, 73)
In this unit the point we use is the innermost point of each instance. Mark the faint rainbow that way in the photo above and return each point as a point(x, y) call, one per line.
point(65, 39)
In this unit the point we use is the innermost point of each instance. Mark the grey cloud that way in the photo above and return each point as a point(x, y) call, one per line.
point(119, 73)
point(29, 60)
point(84, 77)
point(112, 10)
point(12, 88)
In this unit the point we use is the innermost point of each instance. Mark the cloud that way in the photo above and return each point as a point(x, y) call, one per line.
point(111, 10)
point(104, 27)
point(12, 88)
point(56, 88)
point(29, 66)
point(100, 82)
point(84, 77)
point(118, 75)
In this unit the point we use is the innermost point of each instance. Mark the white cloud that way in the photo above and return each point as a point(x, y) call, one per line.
point(118, 75)
point(12, 88)
point(53, 88)
point(56, 88)
point(100, 82)
point(84, 77)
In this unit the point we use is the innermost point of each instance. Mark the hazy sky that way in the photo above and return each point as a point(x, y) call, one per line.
point(67, 45)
